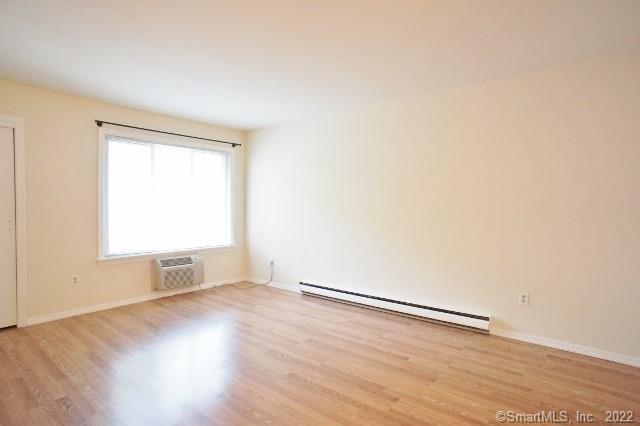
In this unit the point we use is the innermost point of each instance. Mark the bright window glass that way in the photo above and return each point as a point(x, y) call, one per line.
point(163, 198)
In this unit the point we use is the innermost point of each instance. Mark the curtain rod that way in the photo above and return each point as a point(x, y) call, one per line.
point(99, 123)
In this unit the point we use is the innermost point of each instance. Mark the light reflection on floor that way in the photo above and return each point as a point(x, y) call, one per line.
point(190, 369)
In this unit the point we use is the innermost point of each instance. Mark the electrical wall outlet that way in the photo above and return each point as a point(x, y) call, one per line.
point(523, 299)
point(75, 280)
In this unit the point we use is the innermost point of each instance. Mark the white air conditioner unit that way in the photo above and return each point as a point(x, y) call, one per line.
point(178, 272)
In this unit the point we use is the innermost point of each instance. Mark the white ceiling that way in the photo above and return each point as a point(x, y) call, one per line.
point(252, 63)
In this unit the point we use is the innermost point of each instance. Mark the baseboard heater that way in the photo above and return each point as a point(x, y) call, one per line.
point(429, 313)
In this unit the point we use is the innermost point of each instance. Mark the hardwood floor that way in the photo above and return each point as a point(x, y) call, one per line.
point(260, 355)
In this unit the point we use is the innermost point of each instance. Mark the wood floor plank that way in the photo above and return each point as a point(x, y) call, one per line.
point(244, 354)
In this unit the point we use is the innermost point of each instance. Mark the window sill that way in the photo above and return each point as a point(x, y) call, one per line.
point(128, 258)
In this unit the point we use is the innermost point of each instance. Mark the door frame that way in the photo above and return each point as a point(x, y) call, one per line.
point(17, 124)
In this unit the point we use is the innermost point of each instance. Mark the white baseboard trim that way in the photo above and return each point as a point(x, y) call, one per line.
point(122, 302)
point(295, 288)
point(569, 347)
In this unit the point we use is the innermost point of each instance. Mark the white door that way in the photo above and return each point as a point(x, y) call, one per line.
point(8, 286)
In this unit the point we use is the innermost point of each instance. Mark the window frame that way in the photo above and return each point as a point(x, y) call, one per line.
point(149, 137)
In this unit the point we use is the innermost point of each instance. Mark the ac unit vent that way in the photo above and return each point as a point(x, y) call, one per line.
point(176, 278)
point(176, 261)
point(178, 272)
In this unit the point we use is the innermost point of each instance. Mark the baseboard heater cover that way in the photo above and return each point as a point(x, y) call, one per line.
point(477, 322)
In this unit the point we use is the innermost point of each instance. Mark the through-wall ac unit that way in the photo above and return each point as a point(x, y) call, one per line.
point(178, 272)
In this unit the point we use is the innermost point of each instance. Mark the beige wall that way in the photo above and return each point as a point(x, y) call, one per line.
point(62, 215)
point(464, 198)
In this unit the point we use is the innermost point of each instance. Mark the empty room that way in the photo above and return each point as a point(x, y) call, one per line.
point(336, 212)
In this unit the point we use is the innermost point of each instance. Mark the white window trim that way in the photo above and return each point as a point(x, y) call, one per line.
point(151, 137)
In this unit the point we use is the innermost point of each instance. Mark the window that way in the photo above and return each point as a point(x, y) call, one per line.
point(161, 195)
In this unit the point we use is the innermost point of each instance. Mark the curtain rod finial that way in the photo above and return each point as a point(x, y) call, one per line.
point(99, 123)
